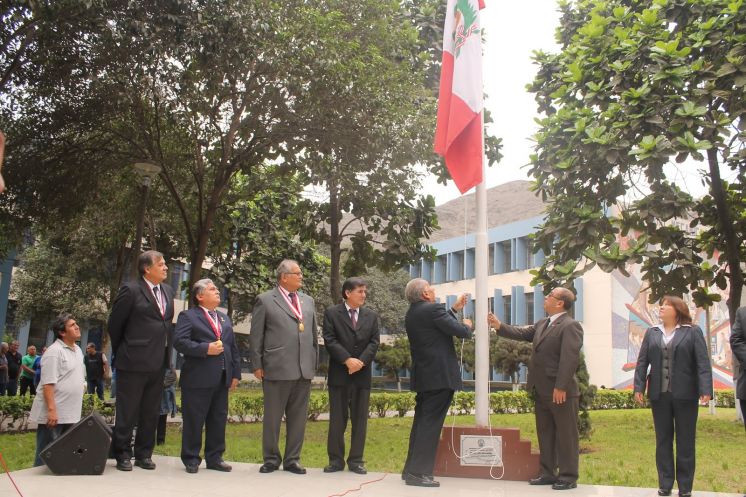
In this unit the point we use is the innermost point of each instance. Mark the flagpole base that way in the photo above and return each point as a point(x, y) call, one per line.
point(483, 455)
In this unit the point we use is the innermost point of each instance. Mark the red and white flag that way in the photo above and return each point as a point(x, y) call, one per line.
point(458, 135)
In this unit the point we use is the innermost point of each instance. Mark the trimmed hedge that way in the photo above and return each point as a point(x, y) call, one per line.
point(249, 406)
point(14, 411)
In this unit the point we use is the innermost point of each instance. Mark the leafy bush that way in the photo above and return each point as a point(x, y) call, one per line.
point(379, 404)
point(403, 403)
point(14, 412)
point(511, 402)
point(246, 407)
point(463, 403)
point(317, 404)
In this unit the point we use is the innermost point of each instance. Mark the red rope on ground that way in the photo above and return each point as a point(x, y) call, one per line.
point(359, 487)
point(5, 467)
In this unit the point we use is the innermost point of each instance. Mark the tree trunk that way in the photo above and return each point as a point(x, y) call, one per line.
point(729, 233)
point(335, 242)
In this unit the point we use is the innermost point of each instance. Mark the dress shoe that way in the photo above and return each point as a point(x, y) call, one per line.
point(420, 481)
point(358, 468)
point(146, 463)
point(268, 467)
point(220, 466)
point(295, 468)
point(192, 468)
point(124, 465)
point(333, 468)
point(542, 480)
point(564, 485)
point(685, 494)
point(663, 492)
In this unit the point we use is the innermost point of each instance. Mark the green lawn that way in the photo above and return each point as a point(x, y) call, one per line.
point(621, 452)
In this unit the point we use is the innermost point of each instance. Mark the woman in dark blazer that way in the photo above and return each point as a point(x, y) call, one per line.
point(680, 377)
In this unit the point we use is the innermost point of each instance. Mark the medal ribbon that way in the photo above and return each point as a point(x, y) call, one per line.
point(297, 311)
point(216, 328)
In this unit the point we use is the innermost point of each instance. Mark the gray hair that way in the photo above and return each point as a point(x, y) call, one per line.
point(566, 297)
point(4, 345)
point(199, 288)
point(414, 289)
point(285, 267)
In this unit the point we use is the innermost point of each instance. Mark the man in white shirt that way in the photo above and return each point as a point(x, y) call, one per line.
point(58, 406)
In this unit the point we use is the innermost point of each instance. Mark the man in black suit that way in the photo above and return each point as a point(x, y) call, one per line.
point(351, 336)
point(556, 341)
point(211, 367)
point(435, 374)
point(141, 331)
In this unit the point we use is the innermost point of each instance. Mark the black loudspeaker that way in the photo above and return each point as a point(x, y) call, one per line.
point(81, 450)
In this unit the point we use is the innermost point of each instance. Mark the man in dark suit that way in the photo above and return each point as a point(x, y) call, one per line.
point(283, 352)
point(141, 331)
point(211, 367)
point(351, 336)
point(435, 375)
point(738, 346)
point(557, 341)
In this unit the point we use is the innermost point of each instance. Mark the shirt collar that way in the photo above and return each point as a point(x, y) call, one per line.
point(150, 285)
point(660, 327)
point(357, 309)
point(554, 317)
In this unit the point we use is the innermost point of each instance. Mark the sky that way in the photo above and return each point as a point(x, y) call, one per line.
point(513, 30)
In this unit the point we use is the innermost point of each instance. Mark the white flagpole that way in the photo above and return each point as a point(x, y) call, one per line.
point(482, 348)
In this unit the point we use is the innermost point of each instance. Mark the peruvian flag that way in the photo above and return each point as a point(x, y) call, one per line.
point(458, 135)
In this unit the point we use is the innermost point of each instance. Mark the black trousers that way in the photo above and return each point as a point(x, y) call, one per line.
point(347, 402)
point(208, 408)
point(429, 414)
point(27, 384)
point(557, 431)
point(743, 410)
point(675, 417)
point(138, 404)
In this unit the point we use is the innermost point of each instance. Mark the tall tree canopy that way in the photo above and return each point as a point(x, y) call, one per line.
point(639, 92)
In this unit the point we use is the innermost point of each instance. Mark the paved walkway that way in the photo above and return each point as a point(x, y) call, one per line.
point(170, 480)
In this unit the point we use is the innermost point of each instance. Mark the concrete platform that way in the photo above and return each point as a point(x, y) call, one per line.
point(170, 480)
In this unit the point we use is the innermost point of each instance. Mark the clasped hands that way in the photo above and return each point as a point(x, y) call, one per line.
point(354, 365)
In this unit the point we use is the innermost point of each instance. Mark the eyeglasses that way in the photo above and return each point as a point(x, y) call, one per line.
point(553, 296)
point(297, 273)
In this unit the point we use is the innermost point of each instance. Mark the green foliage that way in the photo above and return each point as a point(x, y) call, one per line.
point(318, 404)
point(508, 355)
point(380, 404)
point(511, 402)
point(403, 403)
point(14, 412)
point(392, 358)
point(463, 403)
point(585, 403)
point(639, 93)
point(246, 407)
point(92, 403)
point(386, 297)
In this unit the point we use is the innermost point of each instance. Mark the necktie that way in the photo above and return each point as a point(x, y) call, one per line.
point(158, 299)
point(213, 315)
point(353, 317)
point(293, 299)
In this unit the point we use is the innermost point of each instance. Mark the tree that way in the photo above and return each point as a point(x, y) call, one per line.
point(263, 220)
point(507, 356)
point(639, 92)
point(386, 297)
point(395, 357)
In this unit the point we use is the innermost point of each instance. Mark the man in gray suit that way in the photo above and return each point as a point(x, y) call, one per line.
point(284, 350)
point(555, 356)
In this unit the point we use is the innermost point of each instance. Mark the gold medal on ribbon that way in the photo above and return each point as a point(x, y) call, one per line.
point(300, 326)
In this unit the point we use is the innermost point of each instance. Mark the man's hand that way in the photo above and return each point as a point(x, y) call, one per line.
point(468, 323)
point(460, 302)
point(639, 398)
point(215, 348)
point(704, 399)
point(493, 321)
point(354, 365)
point(259, 374)
point(234, 384)
point(52, 417)
point(559, 396)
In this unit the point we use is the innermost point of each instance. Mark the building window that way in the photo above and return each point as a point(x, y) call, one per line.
point(529, 253)
point(507, 247)
point(491, 304)
point(491, 267)
point(415, 270)
point(530, 308)
point(457, 266)
point(439, 269)
point(507, 315)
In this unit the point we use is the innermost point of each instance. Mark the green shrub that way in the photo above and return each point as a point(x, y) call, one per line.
point(379, 404)
point(511, 402)
point(91, 403)
point(403, 403)
point(246, 407)
point(463, 403)
point(318, 404)
point(14, 412)
point(725, 398)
